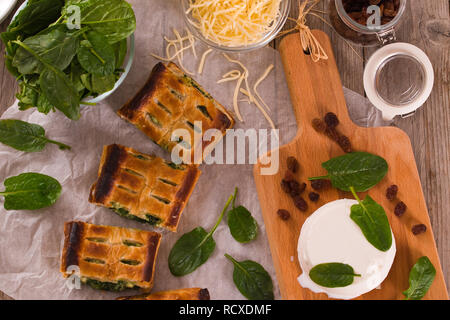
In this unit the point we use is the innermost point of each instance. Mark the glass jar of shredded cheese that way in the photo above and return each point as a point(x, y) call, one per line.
point(236, 25)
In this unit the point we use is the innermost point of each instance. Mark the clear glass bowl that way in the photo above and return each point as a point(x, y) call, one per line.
point(126, 65)
point(285, 5)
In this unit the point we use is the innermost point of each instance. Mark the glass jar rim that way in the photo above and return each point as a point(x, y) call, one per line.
point(363, 29)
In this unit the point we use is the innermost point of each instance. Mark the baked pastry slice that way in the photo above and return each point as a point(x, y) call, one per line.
point(180, 294)
point(171, 100)
point(141, 187)
point(110, 258)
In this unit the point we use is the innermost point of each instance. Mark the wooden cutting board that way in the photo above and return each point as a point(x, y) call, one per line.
point(316, 89)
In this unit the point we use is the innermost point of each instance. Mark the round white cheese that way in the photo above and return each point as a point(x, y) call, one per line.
point(330, 235)
point(5, 8)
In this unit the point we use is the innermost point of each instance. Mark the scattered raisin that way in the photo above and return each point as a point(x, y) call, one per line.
point(296, 188)
point(300, 203)
point(344, 143)
point(331, 120)
point(319, 125)
point(283, 214)
point(314, 197)
point(285, 186)
point(292, 164)
point(418, 229)
point(332, 134)
point(288, 176)
point(400, 209)
point(391, 192)
point(319, 184)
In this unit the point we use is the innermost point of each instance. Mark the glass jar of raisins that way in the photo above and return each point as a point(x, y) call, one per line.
point(366, 22)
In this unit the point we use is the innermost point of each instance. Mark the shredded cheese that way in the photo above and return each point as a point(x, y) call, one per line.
point(179, 46)
point(255, 87)
point(202, 61)
point(243, 77)
point(234, 23)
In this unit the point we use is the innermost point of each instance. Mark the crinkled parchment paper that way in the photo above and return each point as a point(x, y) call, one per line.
point(31, 242)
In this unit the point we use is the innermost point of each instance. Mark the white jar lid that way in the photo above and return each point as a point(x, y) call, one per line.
point(398, 79)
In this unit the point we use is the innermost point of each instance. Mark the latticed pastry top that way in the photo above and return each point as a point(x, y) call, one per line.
point(171, 100)
point(110, 258)
point(143, 187)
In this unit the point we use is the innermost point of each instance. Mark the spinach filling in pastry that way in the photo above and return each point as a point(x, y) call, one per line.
point(171, 100)
point(110, 258)
point(179, 294)
point(141, 187)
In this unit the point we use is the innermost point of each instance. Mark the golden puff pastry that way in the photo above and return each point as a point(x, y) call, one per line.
point(141, 187)
point(180, 294)
point(171, 100)
point(110, 258)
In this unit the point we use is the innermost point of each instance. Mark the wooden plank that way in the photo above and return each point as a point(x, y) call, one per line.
point(310, 101)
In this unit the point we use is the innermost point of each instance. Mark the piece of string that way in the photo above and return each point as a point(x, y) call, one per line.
point(308, 40)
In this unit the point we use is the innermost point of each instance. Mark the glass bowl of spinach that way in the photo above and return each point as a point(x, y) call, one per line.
point(67, 53)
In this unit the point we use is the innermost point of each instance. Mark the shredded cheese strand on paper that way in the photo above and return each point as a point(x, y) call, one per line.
point(179, 46)
point(255, 87)
point(234, 23)
point(202, 61)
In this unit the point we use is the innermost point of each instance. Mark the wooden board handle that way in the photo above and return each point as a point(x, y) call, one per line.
point(312, 82)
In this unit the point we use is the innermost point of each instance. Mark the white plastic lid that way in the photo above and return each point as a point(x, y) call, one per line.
point(398, 79)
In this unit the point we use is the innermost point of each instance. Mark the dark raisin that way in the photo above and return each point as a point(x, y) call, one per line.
point(319, 184)
point(292, 164)
point(391, 192)
point(331, 120)
point(297, 188)
point(344, 143)
point(400, 209)
point(283, 214)
point(319, 125)
point(332, 134)
point(314, 197)
point(288, 176)
point(285, 186)
point(300, 203)
point(418, 229)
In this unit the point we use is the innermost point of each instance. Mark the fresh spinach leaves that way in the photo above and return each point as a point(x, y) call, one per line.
point(421, 277)
point(49, 60)
point(113, 18)
point(243, 226)
point(96, 55)
point(360, 170)
point(30, 191)
point(333, 275)
point(252, 280)
point(373, 222)
point(193, 248)
point(25, 136)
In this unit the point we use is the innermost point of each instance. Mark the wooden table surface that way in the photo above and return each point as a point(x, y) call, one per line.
point(426, 24)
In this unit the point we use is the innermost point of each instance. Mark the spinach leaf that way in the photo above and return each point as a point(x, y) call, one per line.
point(98, 84)
point(360, 170)
point(193, 248)
point(75, 72)
point(29, 92)
point(30, 191)
point(60, 92)
point(56, 45)
point(25, 136)
point(373, 222)
point(114, 19)
point(120, 50)
point(43, 104)
point(96, 55)
point(36, 16)
point(243, 226)
point(252, 280)
point(421, 277)
point(333, 275)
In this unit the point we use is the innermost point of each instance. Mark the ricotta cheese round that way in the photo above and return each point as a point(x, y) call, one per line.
point(330, 235)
